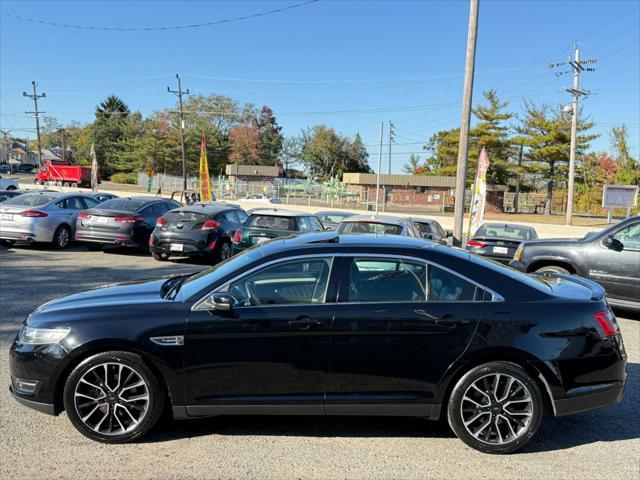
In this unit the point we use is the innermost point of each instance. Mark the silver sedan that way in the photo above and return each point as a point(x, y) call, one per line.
point(42, 217)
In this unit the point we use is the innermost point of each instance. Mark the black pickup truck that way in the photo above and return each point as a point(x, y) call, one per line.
point(610, 257)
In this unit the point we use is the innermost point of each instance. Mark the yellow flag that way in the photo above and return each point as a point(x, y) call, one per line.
point(205, 184)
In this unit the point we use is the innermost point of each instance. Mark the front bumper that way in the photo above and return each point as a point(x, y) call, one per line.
point(584, 399)
point(47, 408)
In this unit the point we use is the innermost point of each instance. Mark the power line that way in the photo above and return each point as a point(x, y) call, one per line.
point(179, 94)
point(163, 28)
point(35, 96)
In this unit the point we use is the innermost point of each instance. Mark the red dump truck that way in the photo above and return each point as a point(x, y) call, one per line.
point(65, 174)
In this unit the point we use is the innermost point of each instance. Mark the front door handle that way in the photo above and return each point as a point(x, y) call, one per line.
point(305, 323)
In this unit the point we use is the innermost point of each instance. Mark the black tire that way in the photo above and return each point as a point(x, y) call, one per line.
point(93, 247)
point(112, 402)
point(161, 257)
point(503, 413)
point(7, 243)
point(11, 187)
point(62, 237)
point(553, 269)
point(73, 185)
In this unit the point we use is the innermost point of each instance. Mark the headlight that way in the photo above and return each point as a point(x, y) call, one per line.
point(518, 255)
point(41, 336)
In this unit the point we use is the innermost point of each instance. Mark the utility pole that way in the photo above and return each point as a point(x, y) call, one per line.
point(64, 147)
point(463, 149)
point(36, 114)
point(577, 67)
point(516, 196)
point(379, 167)
point(179, 93)
point(390, 142)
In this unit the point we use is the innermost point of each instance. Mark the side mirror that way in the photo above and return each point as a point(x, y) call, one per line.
point(613, 243)
point(219, 301)
point(428, 236)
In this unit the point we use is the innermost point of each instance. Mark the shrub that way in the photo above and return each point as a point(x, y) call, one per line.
point(128, 178)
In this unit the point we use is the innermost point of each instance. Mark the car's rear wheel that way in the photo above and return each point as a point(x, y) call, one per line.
point(62, 237)
point(223, 252)
point(161, 256)
point(496, 408)
point(113, 397)
point(553, 269)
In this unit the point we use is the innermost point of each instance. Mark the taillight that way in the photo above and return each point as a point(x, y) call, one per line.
point(210, 225)
point(84, 215)
point(127, 219)
point(607, 321)
point(237, 237)
point(160, 222)
point(475, 243)
point(34, 213)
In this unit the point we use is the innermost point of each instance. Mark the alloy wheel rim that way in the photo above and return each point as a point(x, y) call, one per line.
point(63, 237)
point(111, 398)
point(496, 409)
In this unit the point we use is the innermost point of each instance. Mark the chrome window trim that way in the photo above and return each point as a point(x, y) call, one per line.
point(220, 288)
point(495, 297)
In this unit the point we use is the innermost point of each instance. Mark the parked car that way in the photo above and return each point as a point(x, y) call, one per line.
point(499, 241)
point(188, 197)
point(7, 194)
point(380, 225)
point(42, 217)
point(323, 324)
point(610, 257)
point(267, 224)
point(125, 222)
point(202, 229)
point(8, 184)
point(102, 196)
point(259, 197)
point(432, 230)
point(331, 219)
point(5, 168)
point(24, 168)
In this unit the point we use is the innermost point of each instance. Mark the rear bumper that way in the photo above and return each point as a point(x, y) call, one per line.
point(105, 238)
point(189, 247)
point(584, 399)
point(36, 231)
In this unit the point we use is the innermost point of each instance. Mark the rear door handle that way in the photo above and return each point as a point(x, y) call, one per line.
point(451, 321)
point(305, 323)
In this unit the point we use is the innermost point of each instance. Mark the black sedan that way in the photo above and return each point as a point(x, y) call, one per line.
point(125, 222)
point(322, 324)
point(380, 225)
point(201, 229)
point(610, 257)
point(499, 241)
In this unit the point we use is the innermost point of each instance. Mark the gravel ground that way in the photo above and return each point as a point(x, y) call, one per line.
point(600, 444)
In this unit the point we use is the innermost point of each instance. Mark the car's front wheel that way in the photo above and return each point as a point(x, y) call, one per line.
point(495, 408)
point(113, 397)
point(553, 269)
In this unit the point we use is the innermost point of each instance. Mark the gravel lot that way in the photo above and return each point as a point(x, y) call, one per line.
point(600, 444)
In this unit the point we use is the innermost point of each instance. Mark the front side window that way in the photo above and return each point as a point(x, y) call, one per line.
point(444, 286)
point(301, 281)
point(386, 280)
point(629, 236)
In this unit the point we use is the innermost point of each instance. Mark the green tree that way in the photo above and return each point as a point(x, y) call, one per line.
point(111, 106)
point(443, 152)
point(628, 168)
point(270, 137)
point(412, 164)
point(547, 134)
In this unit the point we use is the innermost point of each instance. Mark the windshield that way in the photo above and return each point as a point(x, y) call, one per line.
point(505, 231)
point(213, 275)
point(370, 227)
point(30, 200)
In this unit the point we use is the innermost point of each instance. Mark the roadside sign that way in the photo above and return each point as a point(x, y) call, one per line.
point(149, 178)
point(620, 196)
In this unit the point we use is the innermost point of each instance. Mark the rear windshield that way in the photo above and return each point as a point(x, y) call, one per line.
point(121, 204)
point(271, 222)
point(505, 231)
point(534, 281)
point(333, 217)
point(370, 227)
point(29, 200)
point(185, 217)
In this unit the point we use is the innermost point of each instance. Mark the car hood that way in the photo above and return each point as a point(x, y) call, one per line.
point(140, 293)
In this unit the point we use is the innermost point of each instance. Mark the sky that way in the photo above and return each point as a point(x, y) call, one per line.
point(348, 64)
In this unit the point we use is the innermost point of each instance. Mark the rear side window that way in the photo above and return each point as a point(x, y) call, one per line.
point(241, 216)
point(90, 202)
point(386, 280)
point(30, 200)
point(71, 203)
point(270, 222)
point(369, 227)
point(121, 204)
point(309, 224)
point(444, 286)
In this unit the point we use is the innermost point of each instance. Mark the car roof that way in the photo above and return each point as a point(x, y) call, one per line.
point(335, 212)
point(512, 225)
point(377, 219)
point(281, 213)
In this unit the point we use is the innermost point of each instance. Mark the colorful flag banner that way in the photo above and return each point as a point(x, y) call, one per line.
point(479, 198)
point(94, 169)
point(205, 183)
